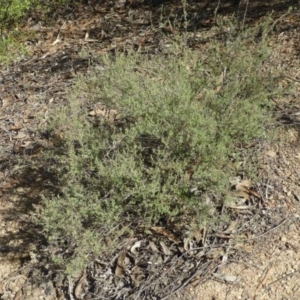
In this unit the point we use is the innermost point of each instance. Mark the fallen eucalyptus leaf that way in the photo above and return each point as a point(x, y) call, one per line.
point(135, 246)
point(225, 277)
point(166, 250)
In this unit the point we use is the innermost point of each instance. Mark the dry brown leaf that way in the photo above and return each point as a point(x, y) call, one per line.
point(231, 205)
point(119, 271)
point(243, 185)
point(26, 144)
point(225, 277)
point(186, 244)
point(197, 234)
point(101, 111)
point(20, 135)
point(232, 227)
point(166, 249)
point(112, 112)
point(265, 277)
point(6, 102)
point(271, 153)
point(153, 247)
point(221, 78)
point(254, 194)
point(218, 89)
point(17, 125)
point(243, 190)
point(135, 246)
point(98, 112)
point(243, 247)
point(187, 176)
point(16, 147)
point(79, 289)
point(108, 241)
point(18, 295)
point(241, 194)
point(92, 113)
point(163, 231)
point(137, 275)
point(194, 283)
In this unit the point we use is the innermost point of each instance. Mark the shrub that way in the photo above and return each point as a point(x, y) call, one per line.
point(12, 10)
point(159, 137)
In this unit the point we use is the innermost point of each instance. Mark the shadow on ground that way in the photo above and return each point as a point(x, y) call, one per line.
point(21, 195)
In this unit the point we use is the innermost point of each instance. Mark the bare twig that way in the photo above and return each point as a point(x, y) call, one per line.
point(272, 229)
point(216, 10)
point(283, 277)
point(197, 272)
point(265, 278)
point(245, 13)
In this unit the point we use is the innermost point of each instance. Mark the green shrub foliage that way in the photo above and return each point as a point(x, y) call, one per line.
point(159, 137)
